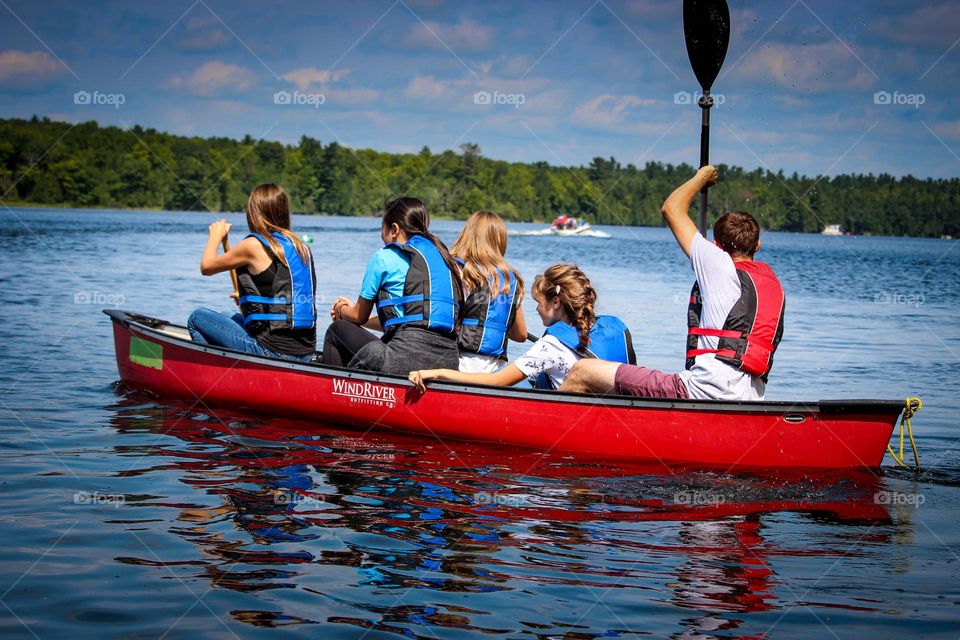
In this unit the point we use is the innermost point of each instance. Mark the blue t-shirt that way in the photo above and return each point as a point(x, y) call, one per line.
point(387, 270)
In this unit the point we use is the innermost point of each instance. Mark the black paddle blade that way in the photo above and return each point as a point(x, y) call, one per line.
point(706, 28)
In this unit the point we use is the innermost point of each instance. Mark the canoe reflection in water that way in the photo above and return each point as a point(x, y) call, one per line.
point(392, 533)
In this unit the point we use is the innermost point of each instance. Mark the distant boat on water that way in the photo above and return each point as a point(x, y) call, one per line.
point(564, 225)
point(832, 230)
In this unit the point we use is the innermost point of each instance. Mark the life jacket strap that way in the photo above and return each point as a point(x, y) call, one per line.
point(254, 317)
point(392, 322)
point(394, 302)
point(723, 353)
point(475, 322)
point(716, 333)
point(263, 300)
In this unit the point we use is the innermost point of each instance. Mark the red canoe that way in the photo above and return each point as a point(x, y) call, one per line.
point(159, 357)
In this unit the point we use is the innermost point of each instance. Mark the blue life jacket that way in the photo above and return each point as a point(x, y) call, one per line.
point(290, 302)
point(486, 318)
point(609, 340)
point(431, 297)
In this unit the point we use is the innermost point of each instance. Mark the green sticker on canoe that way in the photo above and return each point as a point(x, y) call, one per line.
point(146, 353)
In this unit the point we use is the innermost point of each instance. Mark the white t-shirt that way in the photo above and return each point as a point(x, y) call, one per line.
point(709, 378)
point(547, 355)
point(479, 363)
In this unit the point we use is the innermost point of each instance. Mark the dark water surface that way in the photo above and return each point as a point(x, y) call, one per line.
point(123, 516)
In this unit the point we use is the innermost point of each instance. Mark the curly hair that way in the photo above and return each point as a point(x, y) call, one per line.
point(577, 295)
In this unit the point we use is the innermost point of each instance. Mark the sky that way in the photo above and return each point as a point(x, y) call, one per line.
point(816, 87)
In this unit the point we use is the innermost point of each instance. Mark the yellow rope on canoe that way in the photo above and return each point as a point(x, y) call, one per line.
point(910, 409)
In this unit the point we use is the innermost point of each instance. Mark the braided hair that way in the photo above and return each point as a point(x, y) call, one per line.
point(577, 295)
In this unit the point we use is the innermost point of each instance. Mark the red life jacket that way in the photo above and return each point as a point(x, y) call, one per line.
point(754, 326)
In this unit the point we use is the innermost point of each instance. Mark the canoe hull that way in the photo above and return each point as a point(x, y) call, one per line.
point(833, 434)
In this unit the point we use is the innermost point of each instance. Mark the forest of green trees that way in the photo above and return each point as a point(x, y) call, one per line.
point(47, 162)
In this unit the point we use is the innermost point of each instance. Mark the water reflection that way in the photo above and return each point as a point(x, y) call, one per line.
point(397, 534)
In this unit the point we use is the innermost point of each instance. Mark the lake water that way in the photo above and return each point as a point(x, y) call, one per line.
point(123, 516)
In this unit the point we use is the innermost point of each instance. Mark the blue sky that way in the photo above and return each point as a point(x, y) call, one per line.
point(567, 80)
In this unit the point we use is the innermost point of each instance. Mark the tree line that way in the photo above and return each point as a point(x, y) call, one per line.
point(48, 162)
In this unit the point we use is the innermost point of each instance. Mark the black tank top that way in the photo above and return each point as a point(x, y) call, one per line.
point(291, 342)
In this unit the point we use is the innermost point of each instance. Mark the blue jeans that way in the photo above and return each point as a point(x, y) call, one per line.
point(211, 327)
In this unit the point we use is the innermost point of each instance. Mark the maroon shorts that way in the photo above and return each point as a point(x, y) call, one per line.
point(631, 380)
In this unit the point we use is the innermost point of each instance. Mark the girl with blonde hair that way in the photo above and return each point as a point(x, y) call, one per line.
point(276, 283)
point(491, 312)
point(565, 303)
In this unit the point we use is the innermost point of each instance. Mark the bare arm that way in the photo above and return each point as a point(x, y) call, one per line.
point(518, 330)
point(239, 256)
point(356, 312)
point(676, 208)
point(505, 377)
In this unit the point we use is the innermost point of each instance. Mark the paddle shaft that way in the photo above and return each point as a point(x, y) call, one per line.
point(706, 31)
point(705, 103)
point(233, 272)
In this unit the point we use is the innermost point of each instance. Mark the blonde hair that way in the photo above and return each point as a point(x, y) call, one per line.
point(482, 245)
point(268, 210)
point(568, 282)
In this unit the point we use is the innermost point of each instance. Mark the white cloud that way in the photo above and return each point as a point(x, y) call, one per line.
point(948, 130)
point(466, 35)
point(214, 78)
point(792, 102)
point(426, 87)
point(608, 110)
point(812, 68)
point(202, 33)
point(354, 97)
point(28, 68)
point(307, 77)
point(932, 27)
point(458, 94)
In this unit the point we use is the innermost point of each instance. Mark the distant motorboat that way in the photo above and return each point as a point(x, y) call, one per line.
point(584, 231)
point(570, 231)
point(564, 225)
point(832, 230)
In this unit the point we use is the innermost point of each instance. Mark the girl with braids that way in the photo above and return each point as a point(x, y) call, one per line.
point(416, 288)
point(565, 303)
point(491, 310)
point(276, 282)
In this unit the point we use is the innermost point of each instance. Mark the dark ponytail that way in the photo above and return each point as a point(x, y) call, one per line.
point(411, 215)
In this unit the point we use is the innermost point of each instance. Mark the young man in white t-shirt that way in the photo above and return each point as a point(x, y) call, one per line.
point(717, 368)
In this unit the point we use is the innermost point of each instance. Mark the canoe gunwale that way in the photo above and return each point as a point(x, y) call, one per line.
point(151, 326)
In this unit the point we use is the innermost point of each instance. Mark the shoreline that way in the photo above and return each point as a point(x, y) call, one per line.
point(435, 216)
